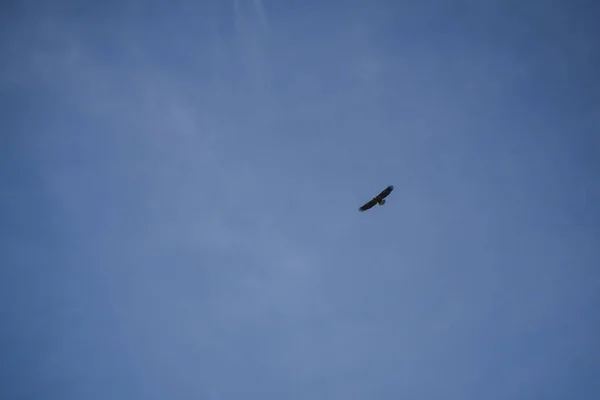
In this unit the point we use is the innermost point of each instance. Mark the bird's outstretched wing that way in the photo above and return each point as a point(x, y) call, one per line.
point(385, 192)
point(368, 205)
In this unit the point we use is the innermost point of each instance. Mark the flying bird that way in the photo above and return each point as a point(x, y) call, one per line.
point(379, 199)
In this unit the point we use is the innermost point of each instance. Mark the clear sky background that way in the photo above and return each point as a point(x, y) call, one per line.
point(180, 184)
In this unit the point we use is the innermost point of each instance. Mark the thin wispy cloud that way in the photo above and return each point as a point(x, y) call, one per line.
point(251, 37)
point(261, 11)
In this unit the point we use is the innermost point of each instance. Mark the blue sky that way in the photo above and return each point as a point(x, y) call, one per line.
point(180, 184)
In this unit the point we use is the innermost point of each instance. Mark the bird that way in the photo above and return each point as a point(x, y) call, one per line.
point(379, 199)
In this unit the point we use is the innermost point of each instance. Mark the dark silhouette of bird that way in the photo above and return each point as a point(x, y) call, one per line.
point(379, 199)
